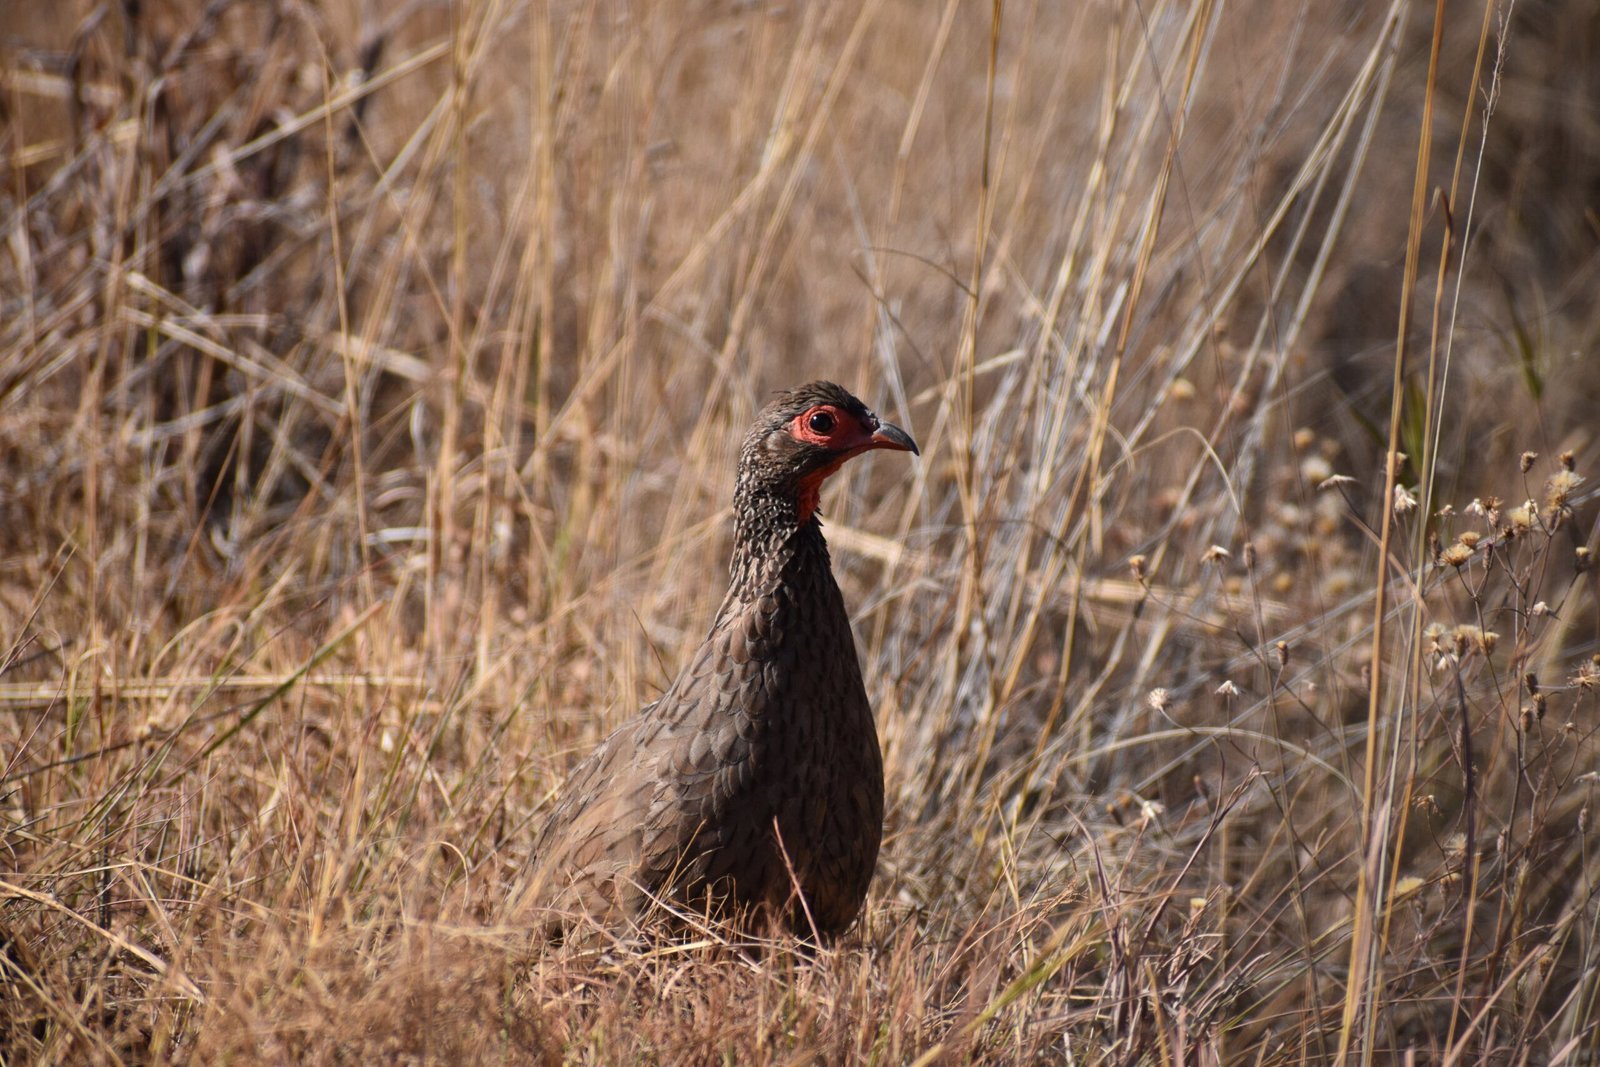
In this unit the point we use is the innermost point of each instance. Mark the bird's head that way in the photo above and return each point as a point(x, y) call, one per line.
point(807, 434)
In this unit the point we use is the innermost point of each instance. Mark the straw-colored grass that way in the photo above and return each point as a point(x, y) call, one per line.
point(370, 381)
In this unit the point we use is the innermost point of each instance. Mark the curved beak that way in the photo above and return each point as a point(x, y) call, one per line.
point(888, 435)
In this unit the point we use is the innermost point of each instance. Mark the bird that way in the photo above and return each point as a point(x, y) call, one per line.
point(753, 789)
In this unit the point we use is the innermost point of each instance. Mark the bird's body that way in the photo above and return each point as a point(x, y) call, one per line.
point(755, 784)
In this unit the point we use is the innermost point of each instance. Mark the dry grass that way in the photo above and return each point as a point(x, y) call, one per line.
point(371, 378)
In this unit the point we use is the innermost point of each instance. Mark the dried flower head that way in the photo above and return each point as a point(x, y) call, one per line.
point(1158, 699)
point(1558, 489)
point(1434, 636)
point(1527, 461)
point(1404, 500)
point(1587, 678)
point(1136, 565)
point(1334, 481)
point(1470, 538)
point(1469, 637)
point(1457, 555)
point(1227, 689)
point(1216, 554)
point(1580, 559)
point(1315, 469)
point(1149, 812)
point(1523, 518)
point(1567, 462)
point(1488, 507)
point(1408, 886)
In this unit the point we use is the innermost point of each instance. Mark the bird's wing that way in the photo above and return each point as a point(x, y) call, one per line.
point(646, 802)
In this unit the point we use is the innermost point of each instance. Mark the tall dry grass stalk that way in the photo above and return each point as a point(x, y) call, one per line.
point(371, 380)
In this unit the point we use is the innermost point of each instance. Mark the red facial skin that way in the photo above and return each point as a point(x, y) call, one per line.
point(848, 438)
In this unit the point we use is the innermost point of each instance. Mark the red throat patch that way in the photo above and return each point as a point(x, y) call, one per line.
point(810, 494)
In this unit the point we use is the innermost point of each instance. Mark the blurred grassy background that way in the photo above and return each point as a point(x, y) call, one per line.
point(370, 383)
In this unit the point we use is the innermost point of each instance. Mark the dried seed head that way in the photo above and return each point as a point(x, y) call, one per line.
point(1567, 462)
point(1530, 681)
point(1334, 481)
point(1457, 555)
point(1282, 648)
point(1408, 885)
point(1559, 487)
point(1539, 610)
point(1469, 637)
point(1216, 554)
point(1488, 507)
point(1150, 811)
point(1136, 565)
point(1527, 461)
point(1249, 553)
point(1580, 559)
point(1404, 500)
point(1525, 719)
point(1435, 635)
point(1445, 512)
point(1470, 538)
point(1227, 689)
point(1158, 699)
point(1522, 519)
point(1587, 678)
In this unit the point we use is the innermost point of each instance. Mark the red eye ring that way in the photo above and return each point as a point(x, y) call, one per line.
point(821, 422)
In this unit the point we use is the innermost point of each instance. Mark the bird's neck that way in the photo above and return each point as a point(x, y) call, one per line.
point(770, 542)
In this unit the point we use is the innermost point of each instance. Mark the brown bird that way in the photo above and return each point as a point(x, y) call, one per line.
point(754, 785)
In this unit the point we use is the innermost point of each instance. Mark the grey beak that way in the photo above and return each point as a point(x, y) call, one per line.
point(890, 436)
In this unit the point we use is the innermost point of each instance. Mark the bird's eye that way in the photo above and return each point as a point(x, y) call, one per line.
point(820, 422)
